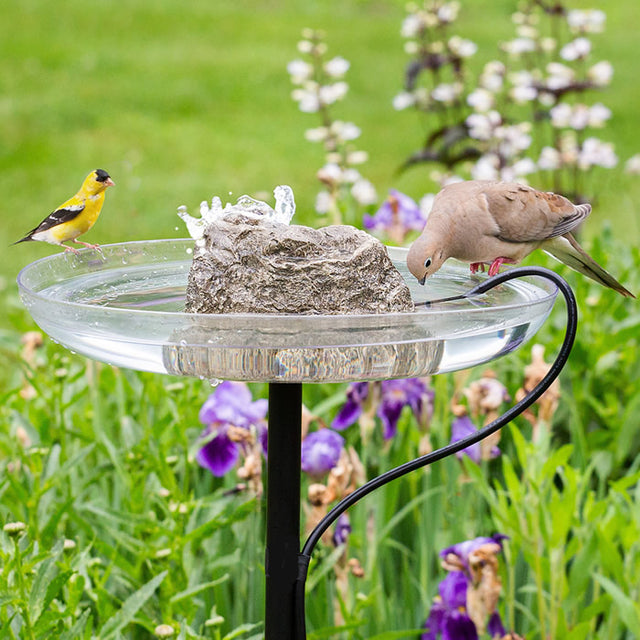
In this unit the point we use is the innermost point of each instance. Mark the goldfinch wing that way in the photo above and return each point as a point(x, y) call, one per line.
point(60, 216)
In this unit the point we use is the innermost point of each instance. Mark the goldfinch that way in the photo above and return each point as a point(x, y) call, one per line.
point(76, 216)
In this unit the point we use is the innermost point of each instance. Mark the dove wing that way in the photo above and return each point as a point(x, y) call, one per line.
point(523, 214)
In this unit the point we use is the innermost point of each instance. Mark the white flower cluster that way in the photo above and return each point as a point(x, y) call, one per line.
point(319, 84)
point(550, 75)
point(425, 28)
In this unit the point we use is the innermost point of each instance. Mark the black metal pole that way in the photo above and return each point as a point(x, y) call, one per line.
point(283, 509)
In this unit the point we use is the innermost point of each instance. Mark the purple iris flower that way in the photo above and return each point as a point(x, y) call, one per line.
point(461, 428)
point(342, 530)
point(463, 549)
point(394, 396)
point(321, 451)
point(448, 618)
point(230, 405)
point(398, 215)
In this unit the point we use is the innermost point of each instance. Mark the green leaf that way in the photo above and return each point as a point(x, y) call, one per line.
point(241, 630)
point(130, 607)
point(188, 593)
point(75, 631)
point(44, 577)
point(628, 610)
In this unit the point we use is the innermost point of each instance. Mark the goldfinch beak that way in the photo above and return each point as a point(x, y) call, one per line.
point(109, 182)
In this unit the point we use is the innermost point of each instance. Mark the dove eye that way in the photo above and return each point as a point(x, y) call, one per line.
point(427, 263)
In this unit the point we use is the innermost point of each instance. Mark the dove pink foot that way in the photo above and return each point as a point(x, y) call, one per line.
point(497, 263)
point(476, 266)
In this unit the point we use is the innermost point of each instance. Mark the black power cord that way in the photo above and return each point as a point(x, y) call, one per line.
point(572, 322)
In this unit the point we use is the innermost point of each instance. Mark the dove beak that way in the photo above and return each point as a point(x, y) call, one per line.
point(422, 280)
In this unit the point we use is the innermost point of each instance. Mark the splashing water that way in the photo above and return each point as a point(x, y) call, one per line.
point(284, 209)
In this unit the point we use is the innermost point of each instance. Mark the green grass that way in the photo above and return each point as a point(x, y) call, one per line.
point(182, 102)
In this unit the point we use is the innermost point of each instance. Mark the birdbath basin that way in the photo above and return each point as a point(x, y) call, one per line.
point(125, 308)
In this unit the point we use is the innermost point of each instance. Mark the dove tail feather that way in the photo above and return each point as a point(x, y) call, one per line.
point(566, 249)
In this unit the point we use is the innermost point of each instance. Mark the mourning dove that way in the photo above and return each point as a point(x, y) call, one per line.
point(486, 222)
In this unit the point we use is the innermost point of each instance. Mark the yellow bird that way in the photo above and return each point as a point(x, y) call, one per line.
point(76, 216)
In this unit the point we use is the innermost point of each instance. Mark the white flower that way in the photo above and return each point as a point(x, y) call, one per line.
point(523, 94)
point(331, 173)
point(300, 71)
point(561, 115)
point(524, 166)
point(307, 99)
point(345, 130)
point(446, 92)
point(527, 31)
point(357, 157)
point(462, 47)
point(560, 76)
point(305, 46)
point(481, 125)
point(336, 67)
point(164, 631)
point(514, 138)
point(481, 100)
point(586, 21)
point(412, 25)
point(331, 93)
point(316, 135)
point(364, 192)
point(324, 202)
point(548, 45)
point(411, 47)
point(486, 168)
point(569, 148)
point(403, 101)
point(598, 115)
point(448, 12)
point(350, 175)
point(519, 46)
point(492, 76)
point(576, 50)
point(632, 165)
point(601, 73)
point(597, 153)
point(549, 159)
point(425, 204)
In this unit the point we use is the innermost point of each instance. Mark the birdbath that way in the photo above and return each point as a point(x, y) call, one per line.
point(124, 307)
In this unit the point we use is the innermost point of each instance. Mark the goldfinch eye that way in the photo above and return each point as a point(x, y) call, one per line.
point(427, 263)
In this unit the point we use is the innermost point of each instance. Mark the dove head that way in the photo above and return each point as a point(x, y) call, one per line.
point(425, 257)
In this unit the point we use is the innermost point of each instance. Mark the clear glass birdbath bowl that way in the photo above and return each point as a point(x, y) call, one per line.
point(125, 308)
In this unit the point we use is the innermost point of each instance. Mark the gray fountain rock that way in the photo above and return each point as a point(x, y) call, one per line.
point(250, 265)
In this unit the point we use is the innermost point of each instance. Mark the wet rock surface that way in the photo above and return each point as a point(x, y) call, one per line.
point(248, 265)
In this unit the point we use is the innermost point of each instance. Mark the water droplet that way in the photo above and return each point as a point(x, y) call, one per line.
point(189, 250)
point(214, 382)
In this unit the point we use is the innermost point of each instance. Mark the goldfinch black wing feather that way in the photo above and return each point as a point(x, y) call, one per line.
point(60, 216)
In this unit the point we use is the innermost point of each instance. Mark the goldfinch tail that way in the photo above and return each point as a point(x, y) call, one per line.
point(566, 249)
point(25, 239)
